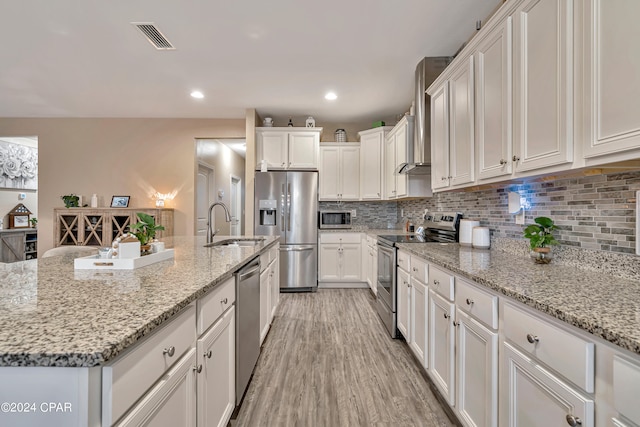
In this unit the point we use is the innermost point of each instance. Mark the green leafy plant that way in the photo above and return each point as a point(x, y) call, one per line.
point(33, 221)
point(71, 200)
point(540, 234)
point(145, 229)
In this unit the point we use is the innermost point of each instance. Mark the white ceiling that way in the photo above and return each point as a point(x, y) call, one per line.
point(69, 58)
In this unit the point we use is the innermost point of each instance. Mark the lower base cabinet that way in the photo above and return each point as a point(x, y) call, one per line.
point(216, 373)
point(533, 397)
point(441, 345)
point(171, 402)
point(419, 301)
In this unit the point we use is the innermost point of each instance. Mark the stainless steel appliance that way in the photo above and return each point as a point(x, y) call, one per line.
point(441, 227)
point(286, 205)
point(334, 219)
point(247, 324)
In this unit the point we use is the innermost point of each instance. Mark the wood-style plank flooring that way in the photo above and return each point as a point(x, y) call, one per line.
point(328, 361)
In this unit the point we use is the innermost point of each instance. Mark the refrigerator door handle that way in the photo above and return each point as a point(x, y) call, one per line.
point(288, 207)
point(307, 248)
point(282, 208)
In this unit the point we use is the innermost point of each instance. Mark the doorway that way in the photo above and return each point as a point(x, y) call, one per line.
point(236, 205)
point(205, 195)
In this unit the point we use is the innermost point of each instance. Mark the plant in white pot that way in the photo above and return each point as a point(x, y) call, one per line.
point(145, 230)
point(541, 239)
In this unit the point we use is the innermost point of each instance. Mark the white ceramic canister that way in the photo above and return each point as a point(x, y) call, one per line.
point(466, 231)
point(481, 238)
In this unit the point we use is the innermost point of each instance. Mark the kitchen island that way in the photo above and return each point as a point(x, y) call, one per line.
point(57, 322)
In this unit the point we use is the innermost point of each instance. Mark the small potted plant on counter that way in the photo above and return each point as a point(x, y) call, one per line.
point(145, 230)
point(34, 222)
point(540, 239)
point(71, 201)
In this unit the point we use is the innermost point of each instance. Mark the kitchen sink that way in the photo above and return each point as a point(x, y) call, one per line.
point(236, 242)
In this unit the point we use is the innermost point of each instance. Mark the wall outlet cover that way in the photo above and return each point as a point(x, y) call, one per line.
point(353, 213)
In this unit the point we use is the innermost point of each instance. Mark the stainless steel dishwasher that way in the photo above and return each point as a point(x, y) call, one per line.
point(247, 324)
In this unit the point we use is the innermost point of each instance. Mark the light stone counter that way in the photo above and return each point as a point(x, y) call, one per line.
point(604, 305)
point(53, 315)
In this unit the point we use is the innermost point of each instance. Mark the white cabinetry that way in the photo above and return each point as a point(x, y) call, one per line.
point(395, 152)
point(372, 145)
point(419, 309)
point(269, 288)
point(370, 262)
point(611, 64)
point(452, 114)
point(339, 172)
point(403, 289)
point(340, 257)
point(288, 148)
point(441, 345)
point(543, 84)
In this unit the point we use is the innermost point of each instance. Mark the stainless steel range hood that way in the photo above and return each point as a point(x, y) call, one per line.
point(419, 153)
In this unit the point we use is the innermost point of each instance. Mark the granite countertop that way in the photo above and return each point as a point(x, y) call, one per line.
point(604, 305)
point(53, 315)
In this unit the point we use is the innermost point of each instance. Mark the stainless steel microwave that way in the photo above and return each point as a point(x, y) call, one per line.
point(335, 219)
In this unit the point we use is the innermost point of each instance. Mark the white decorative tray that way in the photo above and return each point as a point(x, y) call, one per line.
point(93, 262)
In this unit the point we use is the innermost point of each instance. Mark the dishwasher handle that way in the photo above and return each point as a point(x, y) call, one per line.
point(249, 270)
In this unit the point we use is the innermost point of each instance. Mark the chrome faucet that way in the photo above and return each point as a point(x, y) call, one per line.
point(227, 218)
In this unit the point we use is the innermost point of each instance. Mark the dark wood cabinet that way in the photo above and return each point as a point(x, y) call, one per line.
point(18, 245)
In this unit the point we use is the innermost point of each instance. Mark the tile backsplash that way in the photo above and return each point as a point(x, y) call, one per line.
point(368, 214)
point(592, 212)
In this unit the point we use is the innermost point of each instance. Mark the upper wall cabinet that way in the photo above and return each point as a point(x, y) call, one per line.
point(288, 148)
point(395, 153)
point(543, 84)
point(371, 162)
point(339, 172)
point(611, 63)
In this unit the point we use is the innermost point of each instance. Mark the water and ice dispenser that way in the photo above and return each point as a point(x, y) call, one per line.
point(267, 212)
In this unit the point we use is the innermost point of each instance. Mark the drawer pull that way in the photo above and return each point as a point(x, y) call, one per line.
point(447, 315)
point(415, 270)
point(469, 301)
point(456, 323)
point(208, 354)
point(573, 421)
point(532, 338)
point(436, 282)
point(198, 368)
point(224, 301)
point(169, 351)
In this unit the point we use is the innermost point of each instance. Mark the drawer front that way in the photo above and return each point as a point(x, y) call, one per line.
point(134, 372)
point(568, 354)
point(419, 269)
point(216, 302)
point(404, 261)
point(626, 388)
point(478, 303)
point(341, 238)
point(441, 282)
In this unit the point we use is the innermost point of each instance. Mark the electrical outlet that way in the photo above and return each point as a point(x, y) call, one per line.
point(353, 213)
point(402, 213)
point(520, 217)
point(426, 211)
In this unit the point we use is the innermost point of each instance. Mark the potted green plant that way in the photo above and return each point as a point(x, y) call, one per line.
point(145, 230)
point(541, 238)
point(34, 222)
point(71, 201)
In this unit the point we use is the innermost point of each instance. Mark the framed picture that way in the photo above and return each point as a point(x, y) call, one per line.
point(120, 201)
point(20, 221)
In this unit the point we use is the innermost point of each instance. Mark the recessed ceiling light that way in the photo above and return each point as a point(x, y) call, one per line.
point(331, 96)
point(197, 94)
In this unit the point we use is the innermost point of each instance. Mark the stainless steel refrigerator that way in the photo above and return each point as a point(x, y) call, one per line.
point(286, 205)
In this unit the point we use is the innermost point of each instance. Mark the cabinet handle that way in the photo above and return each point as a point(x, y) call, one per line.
point(469, 301)
point(444, 178)
point(223, 301)
point(208, 354)
point(378, 194)
point(198, 368)
point(169, 351)
point(283, 164)
point(415, 270)
point(447, 315)
point(516, 158)
point(532, 338)
point(456, 323)
point(573, 420)
point(436, 282)
point(503, 162)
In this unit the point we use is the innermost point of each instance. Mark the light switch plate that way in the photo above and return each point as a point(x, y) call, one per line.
point(22, 196)
point(353, 213)
point(520, 217)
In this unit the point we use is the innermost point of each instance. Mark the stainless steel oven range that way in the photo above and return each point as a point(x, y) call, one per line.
point(442, 227)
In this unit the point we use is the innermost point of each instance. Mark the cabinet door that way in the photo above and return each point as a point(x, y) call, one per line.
point(476, 373)
point(329, 173)
point(461, 128)
point(274, 295)
point(403, 304)
point(374, 269)
point(350, 173)
point(94, 225)
point(68, 229)
point(350, 262)
point(543, 84)
point(371, 166)
point(612, 88)
point(171, 402)
point(272, 147)
point(329, 262)
point(533, 397)
point(441, 345)
point(303, 150)
point(440, 137)
point(401, 157)
point(265, 286)
point(493, 102)
point(418, 301)
point(216, 380)
point(11, 247)
point(390, 166)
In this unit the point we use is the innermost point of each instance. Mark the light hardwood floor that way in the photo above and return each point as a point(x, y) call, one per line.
point(328, 361)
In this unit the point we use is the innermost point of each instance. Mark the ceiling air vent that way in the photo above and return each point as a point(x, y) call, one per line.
point(155, 37)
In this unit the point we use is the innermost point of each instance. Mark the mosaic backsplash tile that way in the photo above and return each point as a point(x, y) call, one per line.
point(368, 214)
